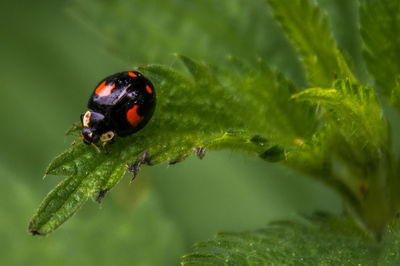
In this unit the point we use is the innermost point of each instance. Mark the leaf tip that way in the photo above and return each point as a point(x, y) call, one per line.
point(33, 231)
point(188, 62)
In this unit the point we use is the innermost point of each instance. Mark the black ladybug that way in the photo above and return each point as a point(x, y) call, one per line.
point(122, 103)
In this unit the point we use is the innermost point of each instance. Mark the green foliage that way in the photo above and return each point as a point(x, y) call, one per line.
point(335, 131)
point(353, 150)
point(353, 111)
point(380, 28)
point(310, 33)
point(134, 31)
point(317, 240)
point(210, 111)
point(102, 237)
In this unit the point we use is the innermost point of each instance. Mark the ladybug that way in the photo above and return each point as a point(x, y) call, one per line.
point(120, 104)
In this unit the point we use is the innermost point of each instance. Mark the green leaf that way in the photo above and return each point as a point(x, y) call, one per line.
point(321, 239)
point(136, 30)
point(352, 151)
point(309, 32)
point(247, 108)
point(380, 28)
point(352, 109)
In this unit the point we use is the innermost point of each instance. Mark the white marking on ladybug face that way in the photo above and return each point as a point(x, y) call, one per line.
point(86, 119)
point(109, 135)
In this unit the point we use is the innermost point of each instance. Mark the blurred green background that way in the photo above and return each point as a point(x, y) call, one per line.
point(50, 61)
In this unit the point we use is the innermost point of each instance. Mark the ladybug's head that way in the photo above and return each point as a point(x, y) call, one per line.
point(95, 128)
point(89, 136)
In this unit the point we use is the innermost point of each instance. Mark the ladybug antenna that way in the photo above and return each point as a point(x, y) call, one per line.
point(76, 139)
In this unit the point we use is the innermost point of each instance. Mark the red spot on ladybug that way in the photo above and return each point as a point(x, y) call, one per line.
point(133, 75)
point(104, 90)
point(133, 117)
point(148, 89)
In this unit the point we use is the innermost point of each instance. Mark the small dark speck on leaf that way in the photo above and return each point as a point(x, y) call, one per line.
point(258, 140)
point(200, 152)
point(34, 232)
point(101, 195)
point(134, 168)
point(363, 190)
point(274, 154)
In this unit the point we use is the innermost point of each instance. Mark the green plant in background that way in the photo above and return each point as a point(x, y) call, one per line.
point(335, 130)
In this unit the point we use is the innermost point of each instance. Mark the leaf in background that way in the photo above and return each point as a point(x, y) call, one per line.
point(149, 31)
point(380, 30)
point(246, 109)
point(310, 33)
point(317, 240)
point(119, 233)
point(352, 150)
point(353, 110)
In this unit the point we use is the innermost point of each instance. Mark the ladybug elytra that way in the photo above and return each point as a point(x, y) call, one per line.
point(120, 104)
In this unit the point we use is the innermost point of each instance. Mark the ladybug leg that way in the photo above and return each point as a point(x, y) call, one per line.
point(105, 147)
point(96, 147)
point(107, 138)
point(91, 143)
point(73, 129)
point(107, 143)
point(78, 138)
